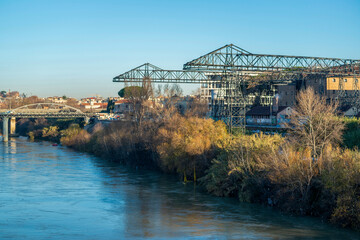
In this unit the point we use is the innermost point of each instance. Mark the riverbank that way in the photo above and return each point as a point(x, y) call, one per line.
point(255, 168)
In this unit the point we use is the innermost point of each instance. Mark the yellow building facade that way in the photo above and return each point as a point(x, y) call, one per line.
point(348, 83)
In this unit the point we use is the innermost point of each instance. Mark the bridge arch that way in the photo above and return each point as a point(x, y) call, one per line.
point(51, 106)
point(44, 110)
point(39, 110)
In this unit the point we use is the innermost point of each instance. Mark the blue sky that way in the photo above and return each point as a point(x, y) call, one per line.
point(50, 47)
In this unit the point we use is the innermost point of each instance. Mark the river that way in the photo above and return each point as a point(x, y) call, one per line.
point(52, 192)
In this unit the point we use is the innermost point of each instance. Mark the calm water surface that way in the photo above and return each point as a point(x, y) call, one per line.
point(55, 193)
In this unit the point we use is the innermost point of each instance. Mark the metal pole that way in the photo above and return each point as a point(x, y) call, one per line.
point(5, 129)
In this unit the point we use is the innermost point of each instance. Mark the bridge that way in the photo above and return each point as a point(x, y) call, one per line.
point(38, 110)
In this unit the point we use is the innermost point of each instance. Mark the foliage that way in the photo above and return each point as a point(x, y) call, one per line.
point(305, 173)
point(351, 136)
point(110, 106)
point(342, 178)
point(127, 91)
point(187, 144)
point(51, 132)
point(238, 170)
point(75, 136)
point(267, 169)
point(31, 136)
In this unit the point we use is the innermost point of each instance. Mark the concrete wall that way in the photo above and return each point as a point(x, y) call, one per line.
point(333, 83)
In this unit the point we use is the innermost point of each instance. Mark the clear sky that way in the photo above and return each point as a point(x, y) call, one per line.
point(76, 47)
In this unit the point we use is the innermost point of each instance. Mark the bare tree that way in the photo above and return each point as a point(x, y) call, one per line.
point(198, 107)
point(138, 97)
point(314, 123)
point(170, 95)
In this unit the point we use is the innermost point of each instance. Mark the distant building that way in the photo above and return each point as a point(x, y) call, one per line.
point(122, 106)
point(56, 99)
point(264, 116)
point(345, 83)
point(348, 111)
point(94, 105)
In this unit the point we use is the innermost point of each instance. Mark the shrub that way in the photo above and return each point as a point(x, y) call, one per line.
point(351, 136)
point(51, 133)
point(75, 137)
point(342, 178)
point(239, 169)
point(185, 144)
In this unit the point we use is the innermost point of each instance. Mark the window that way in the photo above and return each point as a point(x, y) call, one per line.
point(333, 91)
point(334, 80)
point(345, 80)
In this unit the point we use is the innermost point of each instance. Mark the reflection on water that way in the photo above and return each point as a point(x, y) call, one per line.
point(55, 193)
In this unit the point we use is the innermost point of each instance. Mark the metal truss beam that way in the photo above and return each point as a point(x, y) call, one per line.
point(148, 71)
point(231, 57)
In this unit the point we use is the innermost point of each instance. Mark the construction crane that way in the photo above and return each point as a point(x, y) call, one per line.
point(237, 70)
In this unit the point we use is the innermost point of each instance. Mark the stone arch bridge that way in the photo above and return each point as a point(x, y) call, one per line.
point(38, 110)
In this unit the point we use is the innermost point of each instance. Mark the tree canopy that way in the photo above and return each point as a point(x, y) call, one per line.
point(126, 91)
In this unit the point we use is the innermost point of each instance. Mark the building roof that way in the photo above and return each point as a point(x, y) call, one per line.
point(344, 108)
point(263, 111)
point(122, 101)
point(95, 104)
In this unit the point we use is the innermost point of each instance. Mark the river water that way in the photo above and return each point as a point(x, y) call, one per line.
point(56, 193)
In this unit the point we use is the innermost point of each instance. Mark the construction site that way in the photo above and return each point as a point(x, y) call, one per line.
point(233, 80)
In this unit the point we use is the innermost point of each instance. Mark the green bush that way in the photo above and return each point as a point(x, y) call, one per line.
point(75, 137)
point(351, 136)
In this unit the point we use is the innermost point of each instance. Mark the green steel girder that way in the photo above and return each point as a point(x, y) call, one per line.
point(148, 71)
point(155, 74)
point(231, 57)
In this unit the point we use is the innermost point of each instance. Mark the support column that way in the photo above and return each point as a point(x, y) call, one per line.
point(86, 120)
point(12, 125)
point(5, 129)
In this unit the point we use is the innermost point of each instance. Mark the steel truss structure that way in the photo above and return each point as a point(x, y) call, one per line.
point(158, 75)
point(234, 58)
point(238, 70)
point(44, 110)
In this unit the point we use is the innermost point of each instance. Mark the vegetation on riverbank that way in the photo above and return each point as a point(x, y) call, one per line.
point(313, 170)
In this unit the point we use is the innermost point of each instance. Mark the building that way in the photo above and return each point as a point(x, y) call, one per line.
point(265, 116)
point(348, 111)
point(90, 106)
point(122, 106)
